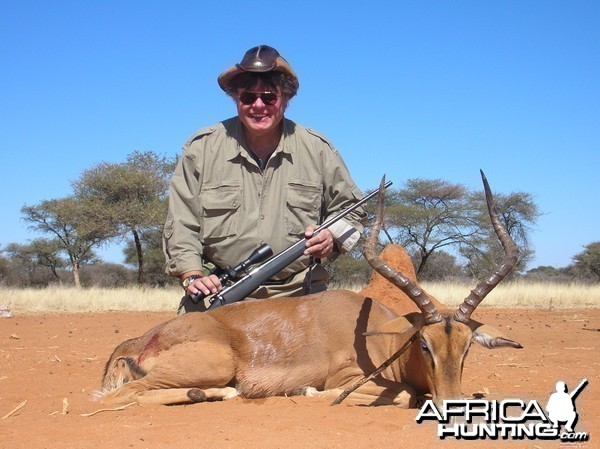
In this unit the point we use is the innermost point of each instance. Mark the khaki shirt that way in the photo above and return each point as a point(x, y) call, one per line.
point(222, 206)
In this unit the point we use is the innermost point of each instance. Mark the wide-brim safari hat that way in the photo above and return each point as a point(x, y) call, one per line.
point(258, 59)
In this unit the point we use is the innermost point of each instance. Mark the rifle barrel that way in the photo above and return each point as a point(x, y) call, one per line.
point(578, 388)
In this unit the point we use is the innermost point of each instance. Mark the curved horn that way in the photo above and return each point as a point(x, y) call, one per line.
point(510, 259)
point(411, 289)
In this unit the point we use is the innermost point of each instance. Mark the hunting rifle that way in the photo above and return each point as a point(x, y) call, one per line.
point(578, 388)
point(244, 286)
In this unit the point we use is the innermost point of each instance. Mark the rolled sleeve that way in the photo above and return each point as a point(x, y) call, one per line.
point(345, 235)
point(341, 194)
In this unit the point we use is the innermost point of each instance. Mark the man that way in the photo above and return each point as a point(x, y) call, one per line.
point(258, 178)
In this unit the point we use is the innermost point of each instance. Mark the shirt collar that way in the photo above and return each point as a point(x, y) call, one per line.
point(235, 129)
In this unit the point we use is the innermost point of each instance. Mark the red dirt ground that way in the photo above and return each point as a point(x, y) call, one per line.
point(45, 359)
point(51, 364)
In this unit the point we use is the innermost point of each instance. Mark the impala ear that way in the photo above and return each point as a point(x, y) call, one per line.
point(400, 325)
point(490, 337)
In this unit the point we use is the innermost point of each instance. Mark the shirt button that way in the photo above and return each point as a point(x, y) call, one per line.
point(262, 217)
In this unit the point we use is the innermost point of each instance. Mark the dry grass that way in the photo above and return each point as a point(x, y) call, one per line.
point(66, 299)
point(523, 295)
point(507, 295)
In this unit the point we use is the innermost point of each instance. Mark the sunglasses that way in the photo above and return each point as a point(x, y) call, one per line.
point(268, 98)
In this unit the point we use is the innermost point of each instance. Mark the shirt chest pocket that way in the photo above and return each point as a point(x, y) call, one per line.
point(303, 207)
point(220, 212)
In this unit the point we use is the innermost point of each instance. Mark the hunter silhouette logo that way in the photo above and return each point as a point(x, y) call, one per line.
point(561, 405)
point(514, 419)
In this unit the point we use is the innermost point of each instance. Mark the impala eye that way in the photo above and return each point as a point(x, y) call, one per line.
point(424, 346)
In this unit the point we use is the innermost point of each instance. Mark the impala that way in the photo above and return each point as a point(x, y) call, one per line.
point(316, 345)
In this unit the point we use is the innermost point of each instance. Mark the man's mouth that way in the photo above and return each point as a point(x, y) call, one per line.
point(258, 117)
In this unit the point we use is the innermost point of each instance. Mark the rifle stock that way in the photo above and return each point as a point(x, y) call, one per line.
point(261, 273)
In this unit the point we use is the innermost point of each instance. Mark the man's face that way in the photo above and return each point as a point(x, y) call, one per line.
point(260, 109)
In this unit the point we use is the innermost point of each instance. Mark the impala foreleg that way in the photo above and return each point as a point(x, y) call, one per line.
point(383, 393)
point(137, 392)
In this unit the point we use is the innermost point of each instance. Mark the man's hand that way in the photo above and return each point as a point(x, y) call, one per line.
point(318, 245)
point(208, 285)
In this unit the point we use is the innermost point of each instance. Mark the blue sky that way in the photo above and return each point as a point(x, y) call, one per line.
point(413, 89)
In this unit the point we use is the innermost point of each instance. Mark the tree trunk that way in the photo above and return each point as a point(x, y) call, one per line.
point(76, 280)
point(55, 273)
point(424, 256)
point(140, 255)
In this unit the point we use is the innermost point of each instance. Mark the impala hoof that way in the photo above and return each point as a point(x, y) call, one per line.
point(197, 395)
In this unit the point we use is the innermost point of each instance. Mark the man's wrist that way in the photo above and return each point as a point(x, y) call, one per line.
point(185, 281)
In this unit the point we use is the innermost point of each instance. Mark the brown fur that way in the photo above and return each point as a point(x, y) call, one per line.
point(387, 293)
point(314, 344)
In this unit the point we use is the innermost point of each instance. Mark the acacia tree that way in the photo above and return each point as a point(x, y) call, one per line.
point(429, 215)
point(47, 253)
point(441, 266)
point(154, 258)
point(74, 225)
point(518, 212)
point(129, 197)
point(39, 253)
point(22, 256)
point(588, 261)
point(4, 269)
